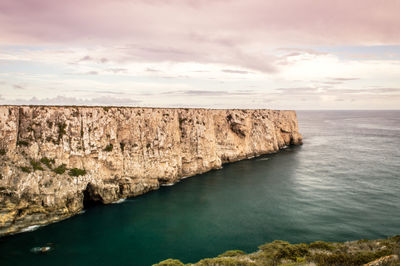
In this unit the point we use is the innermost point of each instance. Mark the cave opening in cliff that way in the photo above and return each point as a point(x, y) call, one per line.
point(89, 198)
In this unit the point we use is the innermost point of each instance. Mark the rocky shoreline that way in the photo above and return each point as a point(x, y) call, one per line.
point(380, 252)
point(55, 160)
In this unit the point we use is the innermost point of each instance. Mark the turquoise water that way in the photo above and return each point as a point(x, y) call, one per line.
point(342, 184)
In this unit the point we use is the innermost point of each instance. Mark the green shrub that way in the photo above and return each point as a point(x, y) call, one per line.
point(60, 169)
point(347, 258)
point(48, 162)
point(3, 151)
point(279, 249)
point(395, 239)
point(36, 165)
point(225, 261)
point(292, 252)
point(232, 253)
point(26, 169)
point(169, 262)
point(22, 143)
point(77, 172)
point(321, 245)
point(109, 147)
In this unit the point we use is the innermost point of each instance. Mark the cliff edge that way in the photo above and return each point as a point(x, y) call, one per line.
point(54, 160)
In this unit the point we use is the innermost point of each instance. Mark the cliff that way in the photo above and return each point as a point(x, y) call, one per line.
point(54, 160)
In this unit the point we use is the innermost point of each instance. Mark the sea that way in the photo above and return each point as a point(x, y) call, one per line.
point(342, 184)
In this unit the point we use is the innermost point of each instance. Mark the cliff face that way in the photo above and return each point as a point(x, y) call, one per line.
point(53, 160)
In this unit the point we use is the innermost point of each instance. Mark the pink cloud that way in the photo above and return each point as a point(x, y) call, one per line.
point(225, 31)
point(230, 22)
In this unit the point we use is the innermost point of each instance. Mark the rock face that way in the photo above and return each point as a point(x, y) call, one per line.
point(54, 160)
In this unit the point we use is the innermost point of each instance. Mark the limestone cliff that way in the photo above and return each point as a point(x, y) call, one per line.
point(54, 159)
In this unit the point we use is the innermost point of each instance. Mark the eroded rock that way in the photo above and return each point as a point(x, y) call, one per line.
point(53, 160)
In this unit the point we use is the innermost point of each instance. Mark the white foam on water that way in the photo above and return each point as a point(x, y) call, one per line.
point(82, 212)
point(40, 249)
point(119, 201)
point(167, 185)
point(30, 228)
point(264, 159)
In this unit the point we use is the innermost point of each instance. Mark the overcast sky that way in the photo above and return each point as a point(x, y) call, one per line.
point(286, 54)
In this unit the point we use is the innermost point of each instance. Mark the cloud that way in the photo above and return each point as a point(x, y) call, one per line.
point(175, 31)
point(117, 70)
point(358, 21)
point(235, 71)
point(191, 49)
point(62, 100)
point(345, 79)
point(317, 91)
point(108, 92)
point(85, 58)
point(152, 70)
point(368, 91)
point(206, 93)
point(18, 87)
point(91, 73)
point(88, 58)
point(298, 90)
point(332, 82)
point(300, 51)
point(103, 60)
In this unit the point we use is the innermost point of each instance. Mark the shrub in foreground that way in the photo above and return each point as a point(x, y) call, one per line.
point(232, 253)
point(169, 262)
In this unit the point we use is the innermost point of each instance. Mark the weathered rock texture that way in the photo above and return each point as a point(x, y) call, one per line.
point(125, 152)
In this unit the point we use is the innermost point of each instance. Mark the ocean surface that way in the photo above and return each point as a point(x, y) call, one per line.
point(342, 184)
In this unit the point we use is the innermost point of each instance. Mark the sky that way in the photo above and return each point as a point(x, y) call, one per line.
point(287, 54)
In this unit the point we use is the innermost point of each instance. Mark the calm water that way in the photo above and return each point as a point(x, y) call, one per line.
point(342, 184)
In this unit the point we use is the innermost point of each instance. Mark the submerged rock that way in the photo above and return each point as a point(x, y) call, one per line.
point(55, 160)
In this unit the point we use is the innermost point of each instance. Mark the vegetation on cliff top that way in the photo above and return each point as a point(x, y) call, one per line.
point(316, 253)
